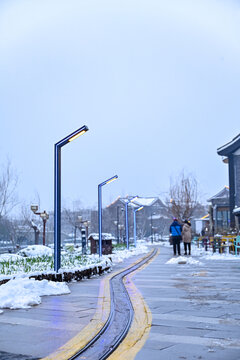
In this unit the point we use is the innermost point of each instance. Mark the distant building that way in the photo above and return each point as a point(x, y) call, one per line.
point(231, 154)
point(152, 219)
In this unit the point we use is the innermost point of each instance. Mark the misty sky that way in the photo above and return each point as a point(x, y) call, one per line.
point(157, 83)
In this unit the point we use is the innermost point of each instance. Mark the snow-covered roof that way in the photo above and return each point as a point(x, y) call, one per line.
point(224, 193)
point(236, 211)
point(105, 236)
point(230, 147)
point(138, 201)
point(142, 201)
point(158, 217)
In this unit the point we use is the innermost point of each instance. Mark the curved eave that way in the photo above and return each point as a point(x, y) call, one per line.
point(230, 147)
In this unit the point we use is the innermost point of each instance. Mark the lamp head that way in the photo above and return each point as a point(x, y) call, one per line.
point(108, 180)
point(81, 132)
point(34, 208)
point(44, 215)
point(112, 179)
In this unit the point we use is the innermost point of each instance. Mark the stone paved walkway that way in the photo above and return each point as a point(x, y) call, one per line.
point(195, 309)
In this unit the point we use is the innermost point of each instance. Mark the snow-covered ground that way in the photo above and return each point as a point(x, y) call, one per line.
point(210, 255)
point(22, 292)
point(198, 254)
point(183, 259)
point(25, 292)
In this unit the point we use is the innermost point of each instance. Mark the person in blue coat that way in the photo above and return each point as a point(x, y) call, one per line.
point(176, 235)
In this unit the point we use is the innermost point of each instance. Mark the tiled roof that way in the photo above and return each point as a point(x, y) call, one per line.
point(224, 193)
point(230, 147)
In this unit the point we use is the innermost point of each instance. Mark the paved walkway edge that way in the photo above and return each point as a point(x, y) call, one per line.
point(99, 319)
point(142, 321)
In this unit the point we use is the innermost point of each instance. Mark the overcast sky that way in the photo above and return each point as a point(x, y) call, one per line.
point(157, 83)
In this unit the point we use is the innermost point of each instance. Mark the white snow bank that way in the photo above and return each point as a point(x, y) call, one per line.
point(24, 293)
point(118, 256)
point(217, 256)
point(36, 250)
point(188, 260)
point(9, 257)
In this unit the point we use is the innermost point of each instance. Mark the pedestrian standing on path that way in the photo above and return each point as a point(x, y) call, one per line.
point(176, 235)
point(187, 237)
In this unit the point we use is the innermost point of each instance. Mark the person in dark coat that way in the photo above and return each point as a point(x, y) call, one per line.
point(176, 235)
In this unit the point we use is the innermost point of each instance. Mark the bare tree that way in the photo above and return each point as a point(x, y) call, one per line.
point(183, 196)
point(8, 184)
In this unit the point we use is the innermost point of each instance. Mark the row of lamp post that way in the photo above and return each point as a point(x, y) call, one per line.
point(57, 200)
point(119, 227)
point(135, 225)
point(126, 218)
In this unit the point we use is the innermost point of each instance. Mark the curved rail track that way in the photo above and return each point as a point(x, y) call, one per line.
point(119, 320)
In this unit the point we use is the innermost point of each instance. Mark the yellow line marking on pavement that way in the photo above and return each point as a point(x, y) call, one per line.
point(92, 329)
point(99, 319)
point(142, 321)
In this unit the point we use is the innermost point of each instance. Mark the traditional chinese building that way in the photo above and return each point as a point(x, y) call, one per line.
point(231, 156)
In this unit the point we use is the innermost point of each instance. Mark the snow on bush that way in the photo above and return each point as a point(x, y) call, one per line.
point(70, 260)
point(9, 257)
point(35, 251)
point(23, 293)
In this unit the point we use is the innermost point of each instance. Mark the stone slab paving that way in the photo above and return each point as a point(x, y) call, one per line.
point(195, 309)
point(36, 332)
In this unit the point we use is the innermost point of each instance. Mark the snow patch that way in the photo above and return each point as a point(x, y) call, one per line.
point(217, 256)
point(24, 293)
point(183, 259)
point(9, 257)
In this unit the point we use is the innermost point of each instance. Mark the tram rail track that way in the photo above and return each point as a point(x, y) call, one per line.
point(119, 320)
point(120, 308)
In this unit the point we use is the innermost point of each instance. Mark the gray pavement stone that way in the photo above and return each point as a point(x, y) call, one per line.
point(195, 309)
point(9, 356)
